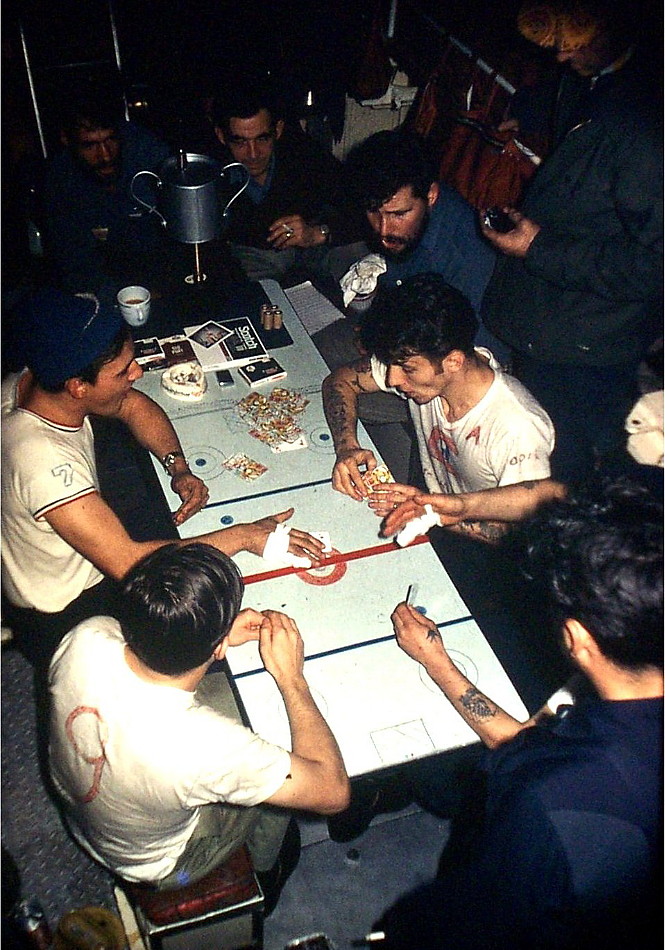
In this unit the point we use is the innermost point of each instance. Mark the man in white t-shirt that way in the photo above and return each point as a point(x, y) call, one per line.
point(63, 546)
point(159, 778)
point(482, 437)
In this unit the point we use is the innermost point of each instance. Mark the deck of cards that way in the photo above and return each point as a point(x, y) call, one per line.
point(379, 476)
point(273, 418)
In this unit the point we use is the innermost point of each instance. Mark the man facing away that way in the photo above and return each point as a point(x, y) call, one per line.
point(477, 427)
point(565, 850)
point(294, 211)
point(160, 780)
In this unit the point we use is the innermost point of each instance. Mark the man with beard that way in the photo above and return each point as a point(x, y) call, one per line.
point(95, 233)
point(419, 226)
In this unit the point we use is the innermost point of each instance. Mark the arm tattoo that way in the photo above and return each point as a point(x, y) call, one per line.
point(487, 530)
point(361, 367)
point(477, 706)
point(336, 414)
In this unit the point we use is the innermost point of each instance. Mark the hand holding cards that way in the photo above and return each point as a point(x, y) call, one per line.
point(380, 475)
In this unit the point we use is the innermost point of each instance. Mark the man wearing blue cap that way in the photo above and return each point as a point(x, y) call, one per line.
point(63, 547)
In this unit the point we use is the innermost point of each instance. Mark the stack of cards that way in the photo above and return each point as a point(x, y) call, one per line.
point(381, 475)
point(247, 468)
point(273, 418)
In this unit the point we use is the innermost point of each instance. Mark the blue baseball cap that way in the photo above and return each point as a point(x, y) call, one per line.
point(60, 334)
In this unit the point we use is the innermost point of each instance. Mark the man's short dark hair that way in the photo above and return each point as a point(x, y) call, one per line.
point(422, 316)
point(598, 556)
point(178, 604)
point(243, 99)
point(89, 108)
point(385, 162)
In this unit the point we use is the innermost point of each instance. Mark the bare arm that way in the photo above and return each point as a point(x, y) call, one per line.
point(317, 780)
point(340, 403)
point(420, 639)
point(483, 514)
point(91, 527)
point(152, 429)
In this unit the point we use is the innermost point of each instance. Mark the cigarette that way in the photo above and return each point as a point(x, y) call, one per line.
point(375, 937)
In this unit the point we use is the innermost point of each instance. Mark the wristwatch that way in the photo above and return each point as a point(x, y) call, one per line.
point(325, 231)
point(169, 460)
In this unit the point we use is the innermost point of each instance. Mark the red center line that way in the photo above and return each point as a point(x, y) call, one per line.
point(335, 559)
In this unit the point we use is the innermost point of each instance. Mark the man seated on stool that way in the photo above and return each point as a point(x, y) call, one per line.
point(564, 847)
point(63, 547)
point(295, 212)
point(477, 427)
point(160, 780)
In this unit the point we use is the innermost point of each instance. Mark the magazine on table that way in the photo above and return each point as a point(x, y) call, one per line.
point(222, 344)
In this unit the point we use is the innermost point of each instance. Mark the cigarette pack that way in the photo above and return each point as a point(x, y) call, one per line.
point(263, 371)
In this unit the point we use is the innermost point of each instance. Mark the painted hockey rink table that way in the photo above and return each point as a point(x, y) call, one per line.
point(382, 707)
point(211, 430)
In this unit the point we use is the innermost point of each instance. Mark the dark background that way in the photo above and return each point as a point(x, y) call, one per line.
point(177, 53)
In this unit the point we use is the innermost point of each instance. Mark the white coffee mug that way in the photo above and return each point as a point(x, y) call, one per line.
point(134, 303)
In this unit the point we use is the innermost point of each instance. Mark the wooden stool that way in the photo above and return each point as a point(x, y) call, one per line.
point(224, 910)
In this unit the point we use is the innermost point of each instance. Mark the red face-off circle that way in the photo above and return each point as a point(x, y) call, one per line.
point(324, 575)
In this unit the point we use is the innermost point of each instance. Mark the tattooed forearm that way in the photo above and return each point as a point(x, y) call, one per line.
point(477, 706)
point(484, 530)
point(337, 414)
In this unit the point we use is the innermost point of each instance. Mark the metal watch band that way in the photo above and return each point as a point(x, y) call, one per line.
point(170, 458)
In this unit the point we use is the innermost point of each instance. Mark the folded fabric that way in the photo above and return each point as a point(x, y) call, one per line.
point(361, 278)
point(276, 549)
point(417, 526)
point(645, 427)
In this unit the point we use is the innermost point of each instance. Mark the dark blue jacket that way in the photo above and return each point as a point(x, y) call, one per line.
point(570, 851)
point(75, 204)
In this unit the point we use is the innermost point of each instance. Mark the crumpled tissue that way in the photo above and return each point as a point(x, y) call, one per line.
point(413, 529)
point(276, 549)
point(644, 425)
point(361, 278)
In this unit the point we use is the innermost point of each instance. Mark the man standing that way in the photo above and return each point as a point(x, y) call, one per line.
point(577, 290)
point(294, 213)
point(477, 427)
point(63, 547)
point(161, 781)
point(94, 230)
point(565, 849)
